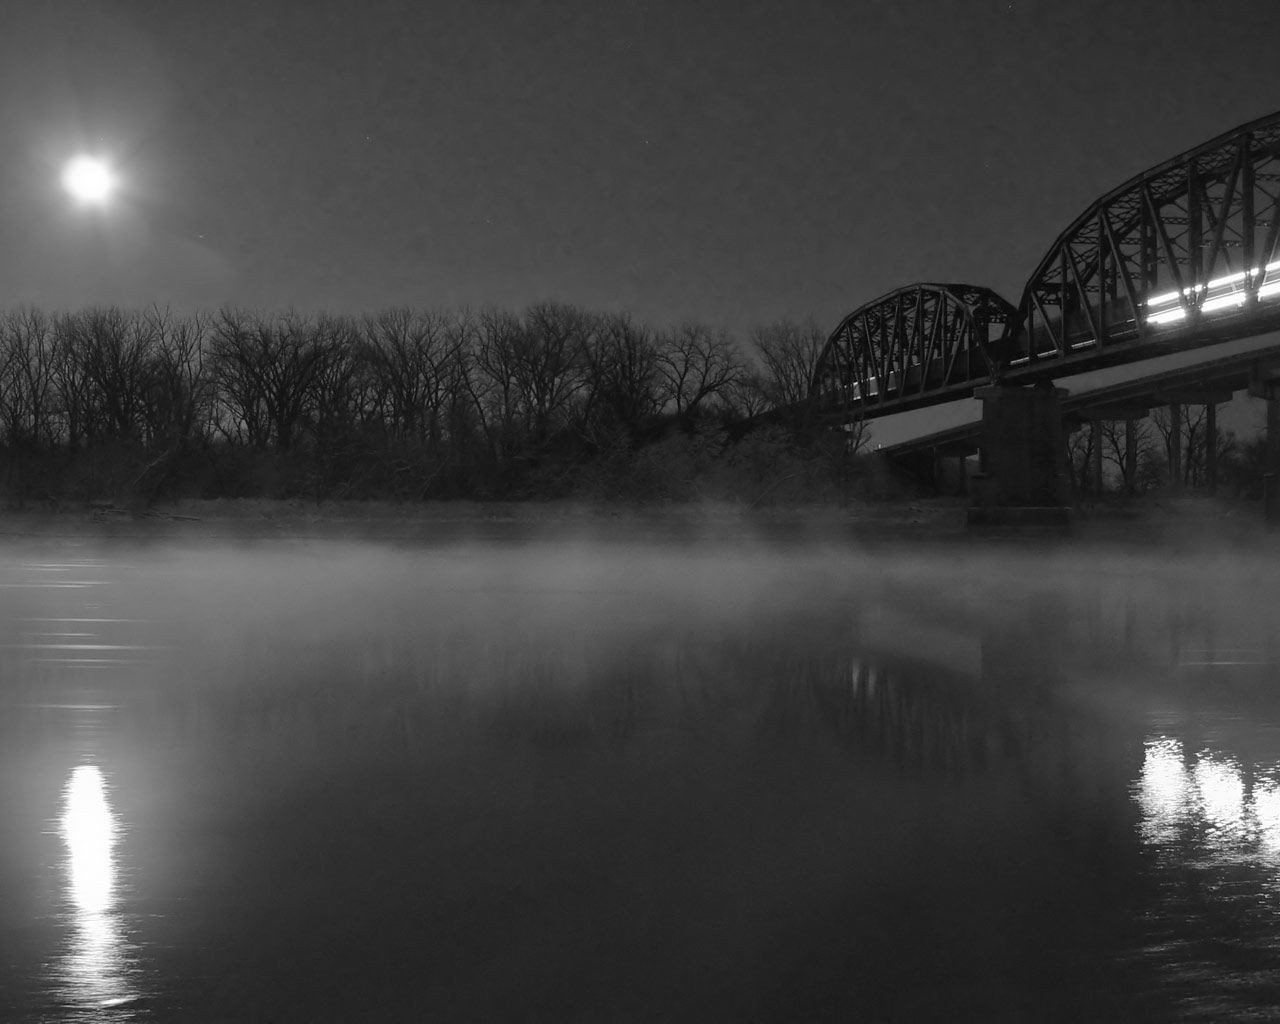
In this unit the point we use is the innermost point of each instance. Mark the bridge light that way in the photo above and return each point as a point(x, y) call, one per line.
point(1269, 289)
point(1167, 297)
point(1222, 301)
point(1229, 279)
point(1167, 316)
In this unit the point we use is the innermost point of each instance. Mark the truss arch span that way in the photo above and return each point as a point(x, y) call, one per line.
point(1184, 254)
point(910, 347)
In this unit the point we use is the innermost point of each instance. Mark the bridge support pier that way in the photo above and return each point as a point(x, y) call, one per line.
point(1020, 478)
point(1264, 382)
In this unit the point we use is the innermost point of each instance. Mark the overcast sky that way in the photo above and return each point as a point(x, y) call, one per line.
point(735, 162)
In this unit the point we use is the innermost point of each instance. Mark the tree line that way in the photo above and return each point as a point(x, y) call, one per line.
point(553, 400)
point(1171, 452)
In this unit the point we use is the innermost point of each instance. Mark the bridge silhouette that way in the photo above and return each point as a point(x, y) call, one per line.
point(1181, 257)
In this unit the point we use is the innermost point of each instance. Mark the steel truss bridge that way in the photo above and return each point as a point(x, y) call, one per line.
point(1182, 256)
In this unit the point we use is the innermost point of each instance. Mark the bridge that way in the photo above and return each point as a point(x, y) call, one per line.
point(1179, 258)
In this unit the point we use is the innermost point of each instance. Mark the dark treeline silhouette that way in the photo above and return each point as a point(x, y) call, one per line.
point(131, 406)
point(1172, 452)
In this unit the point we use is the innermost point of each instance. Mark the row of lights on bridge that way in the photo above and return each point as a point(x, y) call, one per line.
point(1235, 295)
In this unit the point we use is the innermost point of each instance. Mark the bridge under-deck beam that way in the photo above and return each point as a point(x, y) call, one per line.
point(1115, 412)
point(1194, 396)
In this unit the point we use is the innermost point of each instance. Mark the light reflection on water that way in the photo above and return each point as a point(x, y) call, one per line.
point(1211, 798)
point(95, 966)
point(1211, 821)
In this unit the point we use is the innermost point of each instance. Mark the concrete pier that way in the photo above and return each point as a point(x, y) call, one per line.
point(1264, 382)
point(1021, 478)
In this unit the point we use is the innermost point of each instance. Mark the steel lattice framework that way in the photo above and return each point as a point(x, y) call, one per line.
point(1184, 254)
point(917, 345)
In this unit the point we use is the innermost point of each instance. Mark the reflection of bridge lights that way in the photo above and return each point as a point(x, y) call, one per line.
point(1163, 789)
point(1208, 798)
point(1221, 792)
point(1266, 802)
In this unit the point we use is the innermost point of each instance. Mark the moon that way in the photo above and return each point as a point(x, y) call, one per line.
point(89, 180)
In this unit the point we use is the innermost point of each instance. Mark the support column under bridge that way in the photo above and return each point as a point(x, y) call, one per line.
point(1021, 478)
point(1264, 382)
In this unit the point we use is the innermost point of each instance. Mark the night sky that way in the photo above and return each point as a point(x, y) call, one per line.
point(734, 162)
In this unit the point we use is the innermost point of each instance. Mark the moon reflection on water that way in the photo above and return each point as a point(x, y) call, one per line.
point(95, 965)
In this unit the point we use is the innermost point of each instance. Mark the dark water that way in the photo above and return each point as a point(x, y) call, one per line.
point(618, 781)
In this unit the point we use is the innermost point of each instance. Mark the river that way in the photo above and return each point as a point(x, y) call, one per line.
point(629, 779)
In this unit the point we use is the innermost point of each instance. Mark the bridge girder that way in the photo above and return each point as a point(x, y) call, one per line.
point(907, 346)
point(1184, 254)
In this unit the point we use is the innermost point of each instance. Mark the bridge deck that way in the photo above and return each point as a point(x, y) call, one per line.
point(1227, 367)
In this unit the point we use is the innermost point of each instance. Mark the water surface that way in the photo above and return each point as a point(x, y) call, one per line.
point(524, 779)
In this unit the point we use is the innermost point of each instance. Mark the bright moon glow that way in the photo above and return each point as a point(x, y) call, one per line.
point(89, 180)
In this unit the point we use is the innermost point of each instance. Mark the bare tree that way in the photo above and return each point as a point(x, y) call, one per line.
point(71, 384)
point(413, 351)
point(26, 377)
point(1080, 443)
point(1183, 440)
point(624, 385)
point(746, 396)
point(696, 363)
point(551, 362)
point(789, 352)
point(1115, 445)
point(265, 368)
point(180, 393)
point(340, 382)
point(26, 397)
point(113, 348)
point(492, 383)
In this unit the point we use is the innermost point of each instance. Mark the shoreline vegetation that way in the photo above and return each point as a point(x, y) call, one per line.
point(140, 409)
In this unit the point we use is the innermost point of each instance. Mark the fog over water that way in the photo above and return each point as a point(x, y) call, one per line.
point(627, 778)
